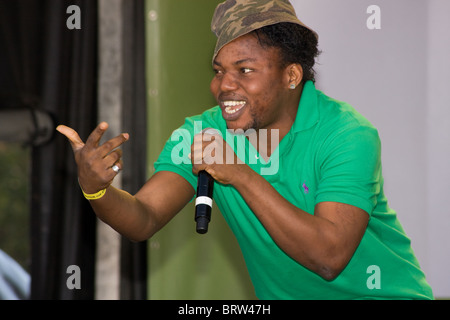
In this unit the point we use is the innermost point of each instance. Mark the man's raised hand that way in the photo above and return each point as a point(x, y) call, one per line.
point(95, 162)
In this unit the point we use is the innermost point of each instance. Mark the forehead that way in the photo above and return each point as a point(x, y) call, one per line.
point(247, 47)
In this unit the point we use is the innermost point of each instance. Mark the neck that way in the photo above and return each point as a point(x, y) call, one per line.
point(268, 140)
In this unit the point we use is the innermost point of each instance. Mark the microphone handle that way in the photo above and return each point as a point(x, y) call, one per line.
point(203, 202)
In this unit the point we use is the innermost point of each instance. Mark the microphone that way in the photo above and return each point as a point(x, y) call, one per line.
point(203, 202)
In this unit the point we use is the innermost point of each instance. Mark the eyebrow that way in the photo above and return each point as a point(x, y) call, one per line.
point(244, 61)
point(236, 62)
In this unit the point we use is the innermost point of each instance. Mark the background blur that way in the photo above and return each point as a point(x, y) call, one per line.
point(145, 65)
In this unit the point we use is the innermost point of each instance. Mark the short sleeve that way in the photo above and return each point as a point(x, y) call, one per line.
point(175, 155)
point(350, 168)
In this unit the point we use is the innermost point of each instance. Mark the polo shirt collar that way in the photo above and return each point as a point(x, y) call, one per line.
point(308, 111)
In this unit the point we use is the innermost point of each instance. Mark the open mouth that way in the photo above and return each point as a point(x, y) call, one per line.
point(231, 109)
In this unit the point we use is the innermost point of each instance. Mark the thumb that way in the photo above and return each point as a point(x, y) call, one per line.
point(72, 136)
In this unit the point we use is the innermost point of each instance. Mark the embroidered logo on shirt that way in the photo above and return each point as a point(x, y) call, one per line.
point(305, 188)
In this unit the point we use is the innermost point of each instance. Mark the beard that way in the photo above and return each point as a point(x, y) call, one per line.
point(254, 123)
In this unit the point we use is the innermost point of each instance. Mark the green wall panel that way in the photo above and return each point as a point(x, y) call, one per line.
point(184, 264)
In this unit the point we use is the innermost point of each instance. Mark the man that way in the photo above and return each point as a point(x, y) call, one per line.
point(305, 197)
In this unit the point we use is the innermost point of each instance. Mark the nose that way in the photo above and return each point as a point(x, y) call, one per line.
point(228, 82)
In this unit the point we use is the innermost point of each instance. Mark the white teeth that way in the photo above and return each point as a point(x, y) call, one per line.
point(229, 110)
point(230, 106)
point(232, 103)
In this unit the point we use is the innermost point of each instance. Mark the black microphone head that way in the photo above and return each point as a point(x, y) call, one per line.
point(202, 225)
point(203, 202)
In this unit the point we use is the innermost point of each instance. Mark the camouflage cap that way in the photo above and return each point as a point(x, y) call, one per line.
point(235, 18)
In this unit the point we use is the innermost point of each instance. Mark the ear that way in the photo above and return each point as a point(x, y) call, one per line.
point(295, 75)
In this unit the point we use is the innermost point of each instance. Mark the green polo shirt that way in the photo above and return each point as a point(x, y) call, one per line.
point(331, 153)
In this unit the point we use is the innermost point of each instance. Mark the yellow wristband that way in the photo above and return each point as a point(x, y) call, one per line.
point(94, 196)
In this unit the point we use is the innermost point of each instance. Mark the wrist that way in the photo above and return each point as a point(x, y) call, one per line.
point(243, 176)
point(92, 196)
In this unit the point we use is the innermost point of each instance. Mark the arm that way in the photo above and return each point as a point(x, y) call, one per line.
point(323, 242)
point(140, 216)
point(136, 217)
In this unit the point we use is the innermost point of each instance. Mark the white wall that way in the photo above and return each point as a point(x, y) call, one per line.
point(438, 146)
point(398, 77)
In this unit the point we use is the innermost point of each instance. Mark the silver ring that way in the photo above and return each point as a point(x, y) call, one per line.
point(115, 168)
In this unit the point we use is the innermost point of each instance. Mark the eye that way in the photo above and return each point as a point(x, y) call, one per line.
point(217, 72)
point(246, 70)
